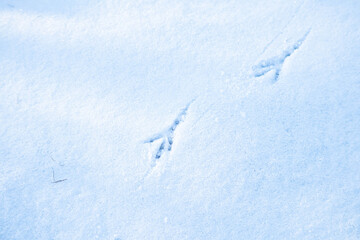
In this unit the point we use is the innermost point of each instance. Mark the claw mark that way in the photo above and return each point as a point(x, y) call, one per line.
point(60, 163)
point(282, 30)
point(56, 181)
point(167, 136)
point(203, 114)
point(276, 63)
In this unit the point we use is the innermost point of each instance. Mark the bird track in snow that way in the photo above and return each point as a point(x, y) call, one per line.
point(167, 136)
point(276, 63)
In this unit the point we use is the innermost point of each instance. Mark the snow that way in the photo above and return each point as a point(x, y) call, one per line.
point(179, 120)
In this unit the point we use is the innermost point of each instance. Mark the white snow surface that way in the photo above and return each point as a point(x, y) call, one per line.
point(161, 119)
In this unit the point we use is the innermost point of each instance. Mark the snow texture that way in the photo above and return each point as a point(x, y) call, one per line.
point(164, 119)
